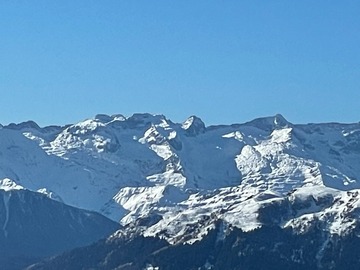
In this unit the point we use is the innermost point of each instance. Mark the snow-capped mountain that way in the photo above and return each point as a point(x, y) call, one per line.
point(175, 181)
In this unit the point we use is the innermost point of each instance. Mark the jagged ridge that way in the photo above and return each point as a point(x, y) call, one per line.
point(171, 177)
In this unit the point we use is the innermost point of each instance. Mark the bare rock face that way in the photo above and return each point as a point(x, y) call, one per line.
point(193, 126)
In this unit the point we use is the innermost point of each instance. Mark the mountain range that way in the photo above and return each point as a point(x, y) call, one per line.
point(165, 195)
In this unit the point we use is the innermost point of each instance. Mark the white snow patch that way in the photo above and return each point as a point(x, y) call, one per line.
point(188, 122)
point(8, 184)
point(168, 178)
point(150, 267)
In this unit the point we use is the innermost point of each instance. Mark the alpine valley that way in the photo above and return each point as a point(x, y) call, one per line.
point(143, 192)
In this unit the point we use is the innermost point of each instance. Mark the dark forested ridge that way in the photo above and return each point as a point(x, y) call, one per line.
point(34, 226)
point(268, 247)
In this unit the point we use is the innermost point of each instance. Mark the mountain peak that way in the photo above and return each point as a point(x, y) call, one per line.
point(104, 118)
point(193, 125)
point(280, 120)
point(23, 125)
point(144, 119)
point(270, 123)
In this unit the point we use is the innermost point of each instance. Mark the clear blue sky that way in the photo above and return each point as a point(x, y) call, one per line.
point(225, 61)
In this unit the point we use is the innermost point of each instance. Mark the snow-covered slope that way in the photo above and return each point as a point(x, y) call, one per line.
point(171, 177)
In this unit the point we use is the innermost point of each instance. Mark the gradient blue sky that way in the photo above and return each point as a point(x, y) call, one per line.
point(225, 61)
